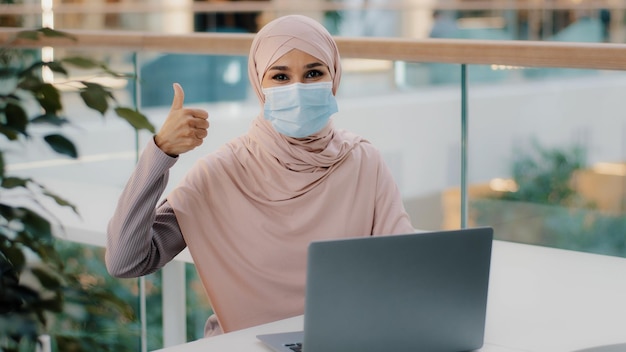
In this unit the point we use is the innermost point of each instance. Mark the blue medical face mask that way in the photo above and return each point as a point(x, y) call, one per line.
point(299, 109)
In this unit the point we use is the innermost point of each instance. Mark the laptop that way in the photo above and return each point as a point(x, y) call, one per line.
point(415, 292)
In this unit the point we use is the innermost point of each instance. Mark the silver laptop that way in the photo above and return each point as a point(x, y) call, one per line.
point(414, 292)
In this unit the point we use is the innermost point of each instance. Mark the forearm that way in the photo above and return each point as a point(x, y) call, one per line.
point(142, 238)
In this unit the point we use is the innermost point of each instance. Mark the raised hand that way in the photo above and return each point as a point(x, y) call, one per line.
point(184, 129)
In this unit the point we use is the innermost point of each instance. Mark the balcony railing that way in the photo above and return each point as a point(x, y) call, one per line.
point(596, 56)
point(446, 143)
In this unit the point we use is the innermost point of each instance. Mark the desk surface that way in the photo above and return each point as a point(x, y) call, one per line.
point(540, 299)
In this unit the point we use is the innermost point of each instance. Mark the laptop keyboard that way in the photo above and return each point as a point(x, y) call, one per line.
point(296, 347)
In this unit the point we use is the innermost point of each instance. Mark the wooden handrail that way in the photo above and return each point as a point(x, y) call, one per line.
point(597, 56)
point(202, 43)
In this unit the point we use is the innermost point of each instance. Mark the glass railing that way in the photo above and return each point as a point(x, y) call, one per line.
point(526, 137)
point(547, 20)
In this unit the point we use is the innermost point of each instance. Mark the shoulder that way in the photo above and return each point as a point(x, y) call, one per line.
point(217, 163)
point(363, 148)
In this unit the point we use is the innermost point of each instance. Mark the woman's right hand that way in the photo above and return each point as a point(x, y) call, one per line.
point(184, 129)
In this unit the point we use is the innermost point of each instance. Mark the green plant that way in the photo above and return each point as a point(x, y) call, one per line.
point(546, 210)
point(40, 279)
point(543, 175)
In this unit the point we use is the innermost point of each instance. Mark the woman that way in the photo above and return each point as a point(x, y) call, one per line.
point(248, 211)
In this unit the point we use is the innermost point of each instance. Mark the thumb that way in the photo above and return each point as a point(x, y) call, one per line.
point(179, 97)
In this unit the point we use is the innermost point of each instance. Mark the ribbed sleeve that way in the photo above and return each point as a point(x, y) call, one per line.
point(141, 237)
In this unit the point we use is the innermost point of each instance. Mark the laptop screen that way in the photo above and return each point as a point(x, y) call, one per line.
point(415, 292)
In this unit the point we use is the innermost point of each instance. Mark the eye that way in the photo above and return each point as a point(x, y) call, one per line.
point(314, 74)
point(280, 77)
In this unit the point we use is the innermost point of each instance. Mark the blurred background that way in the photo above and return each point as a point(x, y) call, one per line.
point(545, 159)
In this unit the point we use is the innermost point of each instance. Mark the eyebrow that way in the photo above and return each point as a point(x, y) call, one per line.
point(286, 68)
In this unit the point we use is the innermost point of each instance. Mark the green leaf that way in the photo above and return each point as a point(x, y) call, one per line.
point(36, 225)
point(47, 279)
point(54, 304)
point(82, 62)
point(30, 83)
point(41, 244)
point(10, 134)
point(32, 70)
point(135, 118)
point(60, 201)
point(15, 255)
point(9, 72)
point(1, 166)
point(52, 119)
point(95, 97)
point(53, 33)
point(118, 74)
point(48, 97)
point(13, 182)
point(16, 118)
point(88, 64)
point(57, 67)
point(30, 35)
point(61, 145)
point(36, 235)
point(6, 212)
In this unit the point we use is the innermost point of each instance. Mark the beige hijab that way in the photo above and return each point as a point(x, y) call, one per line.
point(284, 34)
point(273, 41)
point(328, 146)
point(249, 210)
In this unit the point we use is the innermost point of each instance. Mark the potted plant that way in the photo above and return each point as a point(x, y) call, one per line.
point(27, 241)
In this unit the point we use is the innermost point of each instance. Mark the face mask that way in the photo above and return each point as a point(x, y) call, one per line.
point(300, 109)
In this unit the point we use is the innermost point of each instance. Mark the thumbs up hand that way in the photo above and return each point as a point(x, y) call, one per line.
point(184, 129)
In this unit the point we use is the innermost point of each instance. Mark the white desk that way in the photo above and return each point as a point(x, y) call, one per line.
point(540, 299)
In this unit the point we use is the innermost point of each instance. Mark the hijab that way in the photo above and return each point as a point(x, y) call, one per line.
point(249, 210)
point(328, 146)
point(284, 34)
